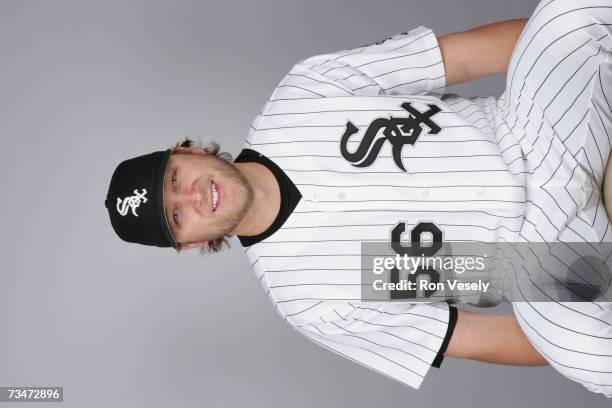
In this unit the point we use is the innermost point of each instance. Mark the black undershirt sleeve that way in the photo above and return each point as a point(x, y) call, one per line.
point(452, 321)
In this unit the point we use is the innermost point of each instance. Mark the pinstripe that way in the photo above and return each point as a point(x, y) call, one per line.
point(526, 166)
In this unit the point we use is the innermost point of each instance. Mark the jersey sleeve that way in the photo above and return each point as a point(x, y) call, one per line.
point(398, 340)
point(409, 63)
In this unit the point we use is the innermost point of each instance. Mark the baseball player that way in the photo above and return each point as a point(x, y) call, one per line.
point(354, 142)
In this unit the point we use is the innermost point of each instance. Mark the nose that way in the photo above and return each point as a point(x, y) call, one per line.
point(192, 196)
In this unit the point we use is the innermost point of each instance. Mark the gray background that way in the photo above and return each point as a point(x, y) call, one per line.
point(84, 85)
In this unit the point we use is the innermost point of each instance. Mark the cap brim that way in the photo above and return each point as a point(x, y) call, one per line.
point(159, 190)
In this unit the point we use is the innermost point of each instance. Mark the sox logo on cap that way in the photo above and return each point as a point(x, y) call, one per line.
point(131, 202)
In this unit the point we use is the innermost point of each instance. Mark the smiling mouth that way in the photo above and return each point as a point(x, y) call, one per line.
point(215, 196)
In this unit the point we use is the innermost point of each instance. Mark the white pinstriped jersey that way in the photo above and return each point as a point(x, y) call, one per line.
point(462, 177)
point(558, 106)
point(525, 167)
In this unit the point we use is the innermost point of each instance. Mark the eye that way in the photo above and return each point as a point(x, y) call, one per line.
point(174, 179)
point(175, 216)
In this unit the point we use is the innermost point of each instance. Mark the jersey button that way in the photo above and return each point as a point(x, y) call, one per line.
point(481, 192)
point(341, 195)
point(425, 193)
point(315, 198)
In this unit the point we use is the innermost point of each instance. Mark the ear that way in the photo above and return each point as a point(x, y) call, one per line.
point(194, 245)
point(193, 149)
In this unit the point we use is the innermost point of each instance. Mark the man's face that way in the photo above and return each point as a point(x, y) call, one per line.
point(191, 180)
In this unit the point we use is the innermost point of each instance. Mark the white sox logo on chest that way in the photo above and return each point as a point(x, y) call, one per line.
point(397, 131)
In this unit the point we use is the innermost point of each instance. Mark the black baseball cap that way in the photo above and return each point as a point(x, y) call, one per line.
point(135, 200)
